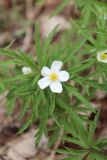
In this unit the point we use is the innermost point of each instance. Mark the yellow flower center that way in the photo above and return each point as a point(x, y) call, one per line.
point(103, 56)
point(53, 76)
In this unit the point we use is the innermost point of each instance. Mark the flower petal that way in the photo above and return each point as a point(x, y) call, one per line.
point(63, 76)
point(99, 56)
point(44, 82)
point(45, 71)
point(56, 65)
point(26, 70)
point(56, 87)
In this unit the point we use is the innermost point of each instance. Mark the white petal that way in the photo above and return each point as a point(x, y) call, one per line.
point(45, 71)
point(56, 65)
point(43, 83)
point(56, 87)
point(63, 76)
point(26, 70)
point(99, 56)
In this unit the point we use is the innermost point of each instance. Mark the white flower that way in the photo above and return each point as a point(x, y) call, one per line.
point(53, 77)
point(102, 56)
point(26, 70)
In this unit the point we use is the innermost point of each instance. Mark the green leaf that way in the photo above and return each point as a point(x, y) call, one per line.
point(43, 123)
point(38, 45)
point(26, 125)
point(75, 92)
point(82, 134)
point(52, 102)
point(46, 46)
point(36, 105)
point(75, 50)
point(92, 128)
point(25, 107)
point(60, 7)
point(82, 67)
point(91, 157)
point(16, 78)
point(100, 156)
point(73, 152)
point(101, 143)
point(74, 158)
point(10, 105)
point(75, 141)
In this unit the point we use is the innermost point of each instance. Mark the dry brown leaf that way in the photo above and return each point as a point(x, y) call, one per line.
point(48, 24)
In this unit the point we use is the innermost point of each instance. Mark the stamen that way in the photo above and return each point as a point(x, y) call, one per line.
point(103, 56)
point(53, 76)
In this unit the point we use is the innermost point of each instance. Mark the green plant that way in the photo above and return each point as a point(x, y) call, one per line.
point(69, 110)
